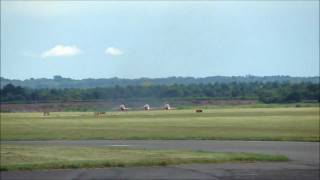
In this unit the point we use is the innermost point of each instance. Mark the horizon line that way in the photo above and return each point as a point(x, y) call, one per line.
point(199, 77)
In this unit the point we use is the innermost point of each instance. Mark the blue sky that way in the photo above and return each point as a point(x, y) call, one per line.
point(96, 39)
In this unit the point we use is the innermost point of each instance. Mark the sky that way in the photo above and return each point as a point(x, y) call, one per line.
point(133, 39)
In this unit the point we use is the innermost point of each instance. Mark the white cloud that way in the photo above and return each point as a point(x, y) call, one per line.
point(113, 51)
point(61, 50)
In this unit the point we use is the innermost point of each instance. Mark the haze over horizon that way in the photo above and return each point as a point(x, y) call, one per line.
point(245, 76)
point(158, 39)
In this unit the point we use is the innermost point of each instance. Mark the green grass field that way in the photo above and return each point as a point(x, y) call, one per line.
point(22, 157)
point(279, 124)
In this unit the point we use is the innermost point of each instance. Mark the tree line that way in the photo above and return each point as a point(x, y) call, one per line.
point(60, 82)
point(270, 92)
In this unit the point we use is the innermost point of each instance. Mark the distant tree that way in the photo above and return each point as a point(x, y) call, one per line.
point(264, 92)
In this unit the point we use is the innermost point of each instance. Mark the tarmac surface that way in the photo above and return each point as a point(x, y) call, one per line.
point(303, 164)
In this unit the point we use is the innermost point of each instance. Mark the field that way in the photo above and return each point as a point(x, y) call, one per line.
point(279, 124)
point(22, 157)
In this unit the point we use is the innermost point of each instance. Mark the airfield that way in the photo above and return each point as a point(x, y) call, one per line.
point(221, 143)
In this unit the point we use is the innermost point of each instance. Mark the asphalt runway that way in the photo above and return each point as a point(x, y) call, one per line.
point(303, 164)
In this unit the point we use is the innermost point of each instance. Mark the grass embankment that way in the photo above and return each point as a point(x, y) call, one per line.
point(23, 157)
point(279, 124)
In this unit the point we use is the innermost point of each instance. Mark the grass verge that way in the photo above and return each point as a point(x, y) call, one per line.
point(25, 157)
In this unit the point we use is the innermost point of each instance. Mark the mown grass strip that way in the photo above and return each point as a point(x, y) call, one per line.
point(276, 124)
